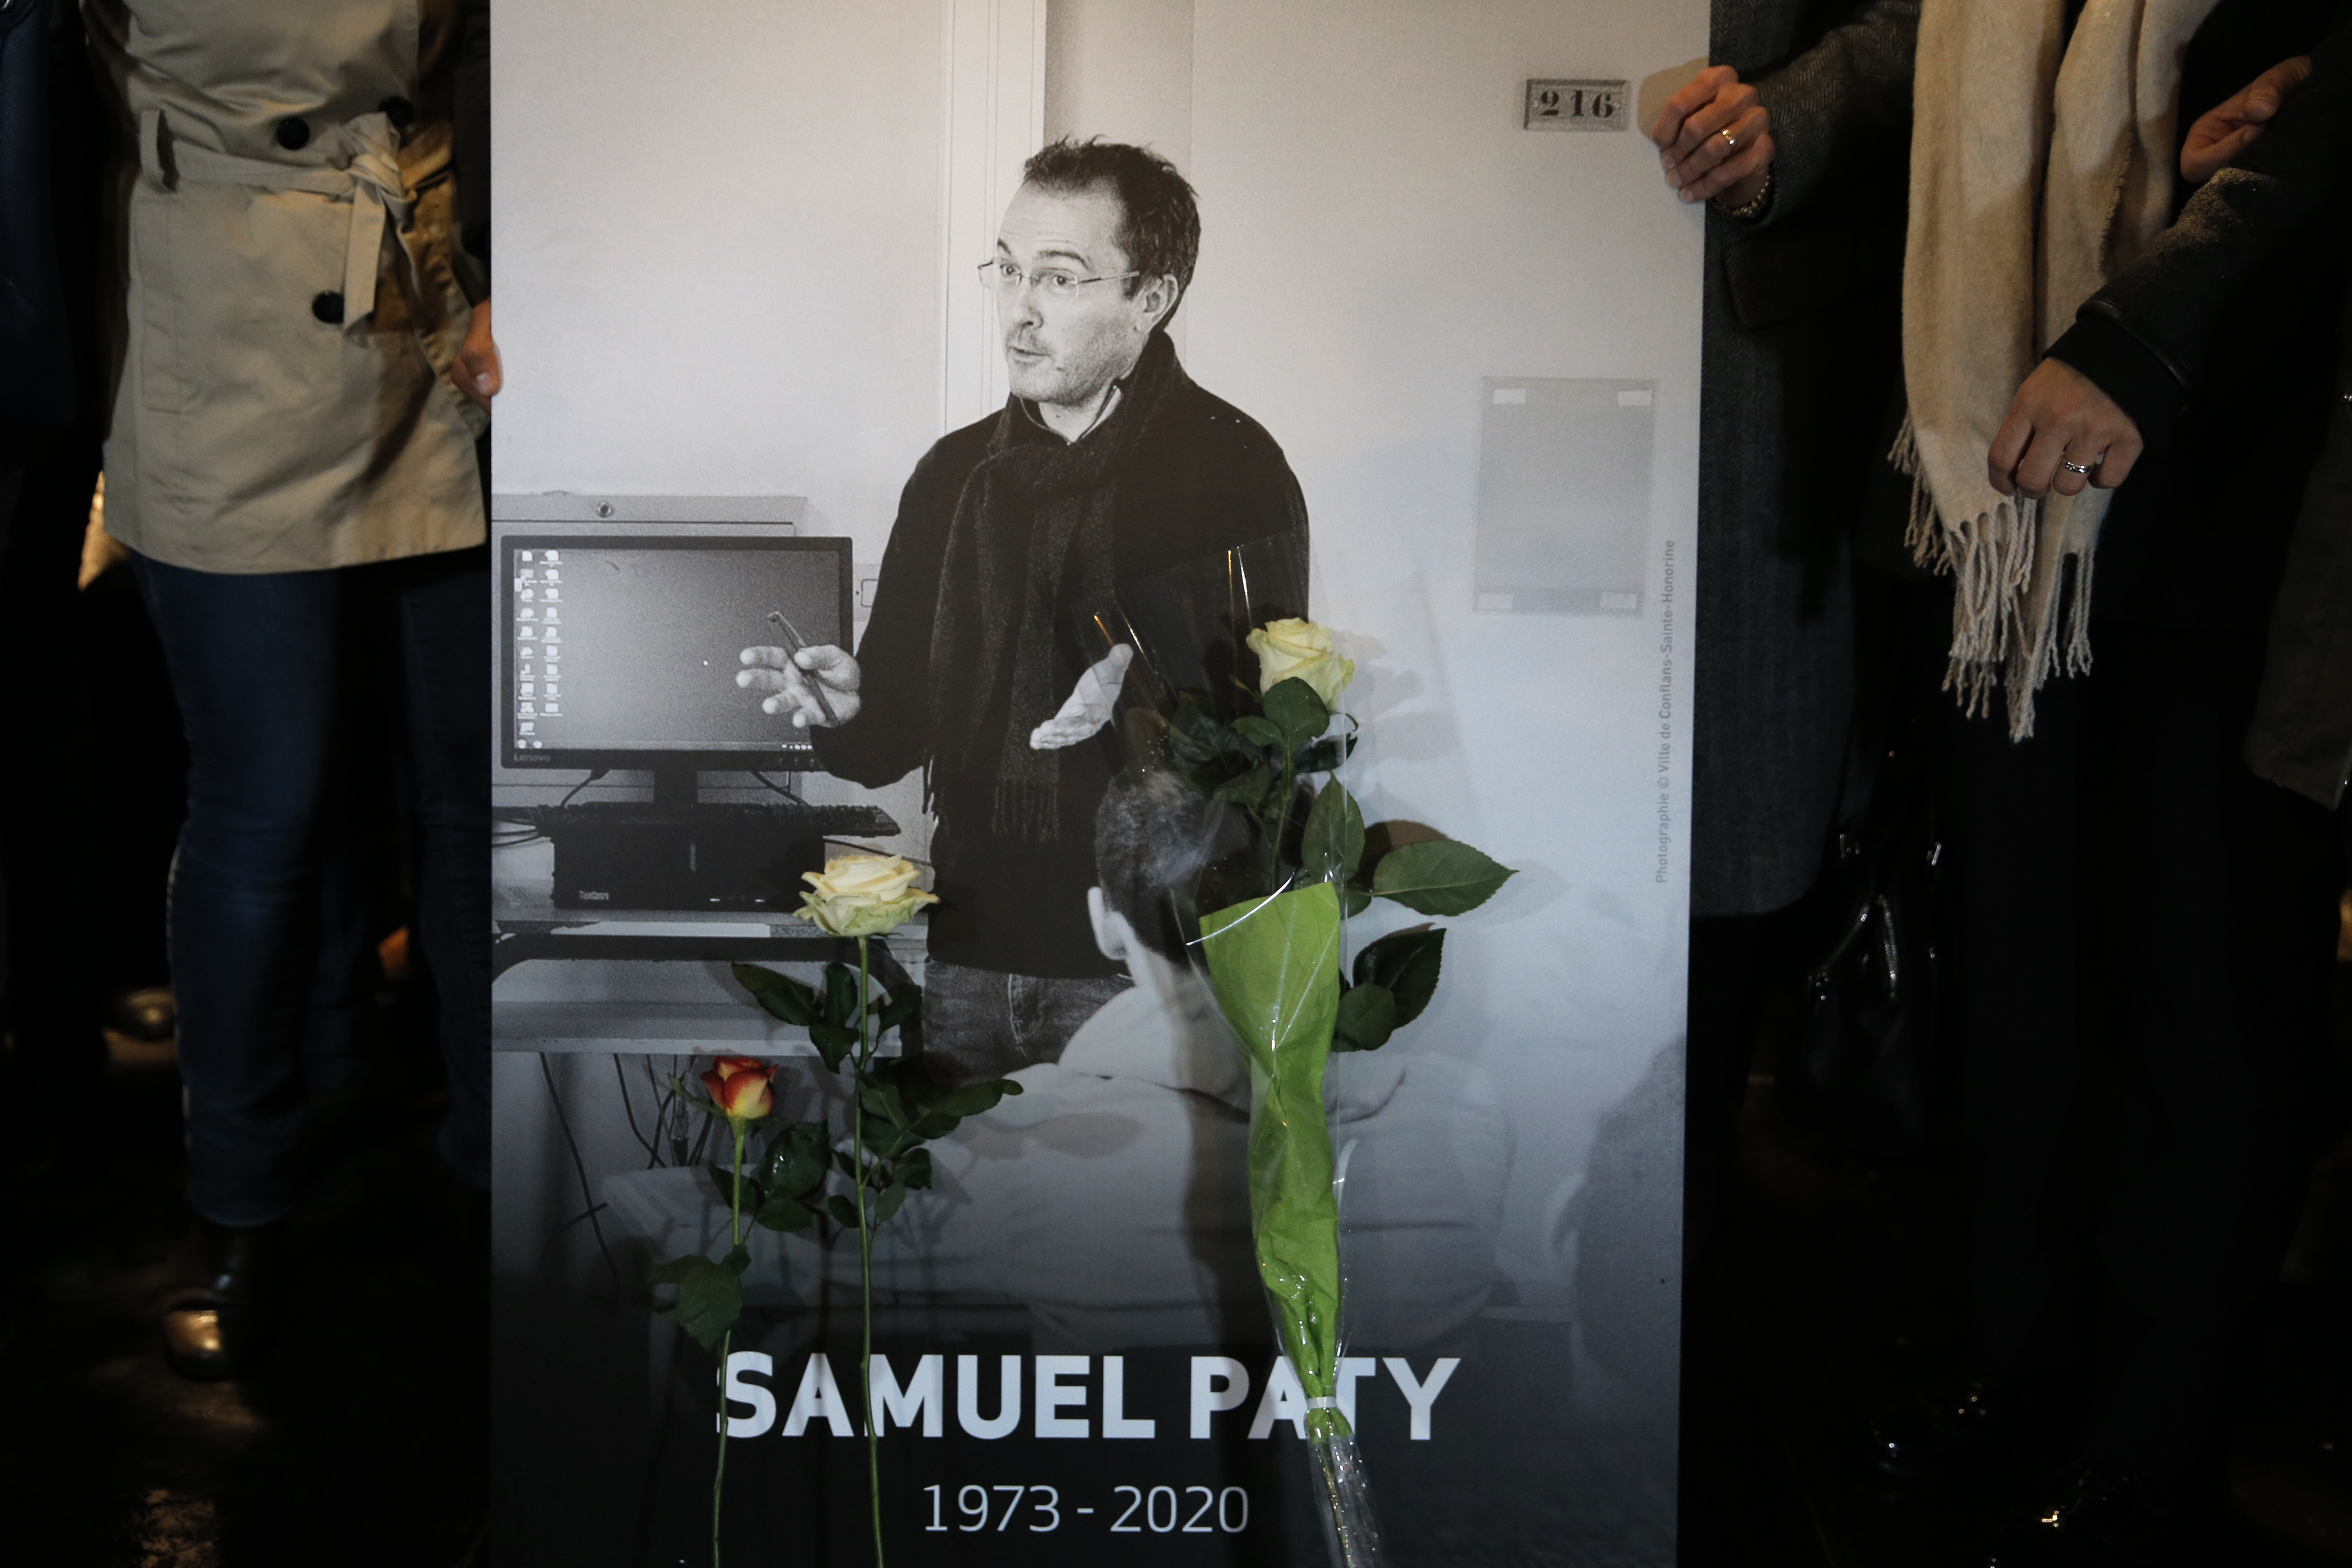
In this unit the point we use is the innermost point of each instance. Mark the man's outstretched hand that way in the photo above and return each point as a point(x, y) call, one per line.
point(793, 680)
point(2222, 133)
point(1089, 707)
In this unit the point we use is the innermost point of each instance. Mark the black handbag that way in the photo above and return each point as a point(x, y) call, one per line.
point(1860, 1069)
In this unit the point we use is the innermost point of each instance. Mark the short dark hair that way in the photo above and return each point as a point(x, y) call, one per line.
point(1155, 837)
point(1160, 221)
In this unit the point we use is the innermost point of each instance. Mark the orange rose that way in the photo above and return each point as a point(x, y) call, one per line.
point(738, 1087)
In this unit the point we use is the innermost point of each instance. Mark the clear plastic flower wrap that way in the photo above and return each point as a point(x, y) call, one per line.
point(1231, 716)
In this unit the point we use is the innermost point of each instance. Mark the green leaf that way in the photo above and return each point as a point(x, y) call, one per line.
point(1201, 736)
point(1189, 755)
point(1248, 790)
point(1193, 722)
point(905, 1002)
point(917, 1171)
point(1333, 842)
point(845, 1212)
point(888, 1205)
point(724, 1180)
point(795, 1161)
point(1300, 715)
point(832, 1043)
point(709, 1297)
point(841, 996)
point(931, 1124)
point(1367, 1018)
point(884, 1100)
point(1356, 897)
point(1258, 731)
point(1438, 876)
point(781, 1213)
point(738, 1259)
point(1408, 963)
point(781, 995)
point(883, 1140)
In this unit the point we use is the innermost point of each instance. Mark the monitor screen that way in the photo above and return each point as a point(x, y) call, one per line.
point(623, 650)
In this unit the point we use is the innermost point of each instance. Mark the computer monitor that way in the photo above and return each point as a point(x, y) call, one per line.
point(620, 646)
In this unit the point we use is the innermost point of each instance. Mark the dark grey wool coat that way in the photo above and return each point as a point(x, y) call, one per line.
point(1802, 364)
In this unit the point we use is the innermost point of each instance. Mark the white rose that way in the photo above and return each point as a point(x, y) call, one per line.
point(1301, 650)
point(863, 895)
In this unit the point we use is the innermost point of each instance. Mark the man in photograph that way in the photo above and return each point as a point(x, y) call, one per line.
point(1112, 511)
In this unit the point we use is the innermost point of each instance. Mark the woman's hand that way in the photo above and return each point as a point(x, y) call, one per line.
point(477, 372)
point(2060, 417)
point(1714, 138)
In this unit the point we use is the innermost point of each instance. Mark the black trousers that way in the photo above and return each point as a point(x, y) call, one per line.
point(2137, 937)
point(48, 988)
point(2214, 945)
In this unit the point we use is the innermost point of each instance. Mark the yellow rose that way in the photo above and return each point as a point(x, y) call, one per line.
point(1301, 650)
point(863, 895)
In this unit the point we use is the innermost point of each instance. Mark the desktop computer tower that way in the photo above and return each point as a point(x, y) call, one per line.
point(703, 860)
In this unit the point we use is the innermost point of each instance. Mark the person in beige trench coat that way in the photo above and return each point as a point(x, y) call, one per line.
point(293, 460)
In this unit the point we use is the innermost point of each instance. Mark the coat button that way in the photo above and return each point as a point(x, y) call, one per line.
point(328, 306)
point(293, 132)
point(398, 109)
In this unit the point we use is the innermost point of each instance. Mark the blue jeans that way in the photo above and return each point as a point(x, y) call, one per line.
point(268, 917)
point(980, 1024)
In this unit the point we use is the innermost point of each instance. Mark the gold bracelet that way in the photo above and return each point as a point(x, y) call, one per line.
point(1753, 209)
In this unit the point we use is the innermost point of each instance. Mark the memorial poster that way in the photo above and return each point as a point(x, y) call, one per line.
point(1431, 384)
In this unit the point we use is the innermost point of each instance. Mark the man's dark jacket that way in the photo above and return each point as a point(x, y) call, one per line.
point(1200, 479)
point(1801, 357)
point(2217, 343)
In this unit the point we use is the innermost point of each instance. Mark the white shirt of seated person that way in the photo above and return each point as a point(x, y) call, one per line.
point(1111, 1195)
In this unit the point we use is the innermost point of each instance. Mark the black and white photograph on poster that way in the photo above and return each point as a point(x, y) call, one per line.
point(1091, 888)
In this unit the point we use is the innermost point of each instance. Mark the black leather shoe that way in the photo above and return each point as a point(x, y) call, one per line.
point(1937, 1437)
point(2106, 1519)
point(215, 1329)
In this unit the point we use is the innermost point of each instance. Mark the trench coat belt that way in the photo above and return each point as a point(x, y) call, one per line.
point(371, 179)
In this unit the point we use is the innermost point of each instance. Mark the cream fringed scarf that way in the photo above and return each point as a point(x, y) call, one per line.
point(2032, 180)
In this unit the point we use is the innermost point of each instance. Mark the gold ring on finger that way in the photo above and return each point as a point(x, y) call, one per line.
point(1729, 140)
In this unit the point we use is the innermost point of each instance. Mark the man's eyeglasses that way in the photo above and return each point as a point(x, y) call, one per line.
point(1004, 278)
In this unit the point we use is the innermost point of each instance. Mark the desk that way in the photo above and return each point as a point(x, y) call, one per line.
point(698, 1012)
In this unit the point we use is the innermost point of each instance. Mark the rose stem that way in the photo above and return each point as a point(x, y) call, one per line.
point(865, 1250)
point(1290, 803)
point(727, 1340)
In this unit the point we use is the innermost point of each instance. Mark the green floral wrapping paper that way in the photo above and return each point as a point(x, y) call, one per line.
point(1274, 963)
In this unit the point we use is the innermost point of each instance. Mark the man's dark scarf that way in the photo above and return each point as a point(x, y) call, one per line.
point(1029, 557)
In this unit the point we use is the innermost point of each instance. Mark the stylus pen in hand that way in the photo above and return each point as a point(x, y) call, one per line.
point(793, 644)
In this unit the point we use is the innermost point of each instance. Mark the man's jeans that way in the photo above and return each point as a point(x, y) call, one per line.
point(980, 1024)
point(268, 913)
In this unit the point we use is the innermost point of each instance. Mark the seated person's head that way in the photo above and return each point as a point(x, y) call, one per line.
point(1154, 837)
